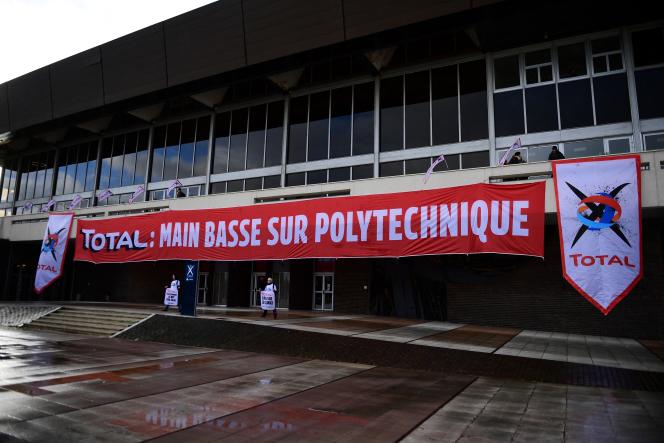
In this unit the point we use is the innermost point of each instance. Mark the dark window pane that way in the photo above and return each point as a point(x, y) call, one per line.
point(615, 62)
point(445, 105)
point(532, 76)
point(256, 140)
point(238, 140)
point(418, 165)
point(70, 177)
point(619, 146)
point(319, 117)
point(202, 146)
point(508, 112)
point(339, 175)
point(116, 162)
point(157, 155)
point(92, 167)
point(451, 162)
point(572, 60)
point(172, 150)
point(272, 181)
point(340, 122)
point(654, 141)
point(391, 114)
point(389, 169)
point(576, 106)
point(297, 132)
point(221, 131)
point(538, 57)
point(141, 157)
point(507, 71)
point(650, 92)
point(546, 73)
point(584, 148)
point(611, 99)
point(417, 109)
point(315, 177)
point(363, 119)
point(475, 159)
point(599, 64)
point(274, 136)
point(62, 167)
point(472, 76)
point(648, 47)
point(235, 186)
point(253, 184)
point(129, 164)
point(605, 44)
point(362, 171)
point(296, 179)
point(186, 162)
point(218, 188)
point(541, 108)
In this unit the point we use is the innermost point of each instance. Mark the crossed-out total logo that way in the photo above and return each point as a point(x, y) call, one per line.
point(190, 273)
point(597, 212)
point(51, 243)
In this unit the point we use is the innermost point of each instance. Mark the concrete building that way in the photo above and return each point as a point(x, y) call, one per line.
point(252, 101)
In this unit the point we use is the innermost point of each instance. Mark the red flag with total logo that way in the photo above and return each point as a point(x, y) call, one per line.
point(599, 221)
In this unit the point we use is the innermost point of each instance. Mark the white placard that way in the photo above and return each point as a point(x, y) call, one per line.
point(171, 297)
point(267, 300)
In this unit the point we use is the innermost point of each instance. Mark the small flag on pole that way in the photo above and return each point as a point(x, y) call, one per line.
point(75, 202)
point(435, 163)
point(508, 154)
point(174, 185)
point(137, 193)
point(104, 195)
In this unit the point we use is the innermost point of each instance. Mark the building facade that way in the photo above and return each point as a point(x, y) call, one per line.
point(253, 101)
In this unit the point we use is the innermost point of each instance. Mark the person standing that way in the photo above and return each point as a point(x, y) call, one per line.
point(175, 284)
point(271, 287)
point(555, 154)
point(516, 159)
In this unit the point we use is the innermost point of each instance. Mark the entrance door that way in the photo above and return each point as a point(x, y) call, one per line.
point(258, 282)
point(203, 278)
point(323, 291)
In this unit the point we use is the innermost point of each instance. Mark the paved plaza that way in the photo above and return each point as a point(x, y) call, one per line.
point(64, 387)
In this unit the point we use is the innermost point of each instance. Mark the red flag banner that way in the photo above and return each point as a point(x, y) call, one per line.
point(480, 218)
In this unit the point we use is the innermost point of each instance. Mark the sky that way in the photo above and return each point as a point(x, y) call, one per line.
point(36, 33)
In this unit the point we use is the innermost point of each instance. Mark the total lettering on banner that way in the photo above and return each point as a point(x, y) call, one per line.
point(53, 250)
point(171, 297)
point(267, 300)
point(599, 222)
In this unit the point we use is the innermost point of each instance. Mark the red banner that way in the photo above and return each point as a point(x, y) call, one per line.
point(507, 219)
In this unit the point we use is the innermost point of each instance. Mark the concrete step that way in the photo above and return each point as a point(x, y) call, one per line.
point(74, 316)
point(45, 322)
point(105, 312)
point(84, 320)
point(87, 321)
point(69, 329)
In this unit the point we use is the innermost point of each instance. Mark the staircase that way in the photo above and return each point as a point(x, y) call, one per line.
point(87, 320)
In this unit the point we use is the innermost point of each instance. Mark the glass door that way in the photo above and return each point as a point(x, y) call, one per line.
point(323, 291)
point(203, 278)
point(258, 282)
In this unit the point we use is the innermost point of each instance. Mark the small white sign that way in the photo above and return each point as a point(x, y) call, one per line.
point(267, 300)
point(171, 297)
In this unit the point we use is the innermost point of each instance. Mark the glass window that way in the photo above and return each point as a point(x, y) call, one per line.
point(158, 148)
point(508, 112)
point(538, 153)
point(274, 134)
point(418, 165)
point(141, 157)
point(156, 195)
point(417, 110)
point(315, 177)
point(339, 174)
point(619, 145)
point(607, 55)
point(363, 119)
point(539, 68)
point(238, 147)
point(391, 114)
point(22, 181)
point(8, 181)
point(472, 77)
point(475, 159)
point(541, 108)
point(297, 132)
point(202, 146)
point(584, 148)
point(445, 105)
point(648, 47)
point(187, 140)
point(611, 99)
point(576, 106)
point(501, 152)
point(256, 139)
point(253, 184)
point(650, 92)
point(172, 150)
point(506, 71)
point(218, 188)
point(340, 122)
point(572, 60)
point(654, 141)
point(70, 173)
point(363, 171)
point(129, 164)
point(235, 186)
point(319, 118)
point(452, 161)
point(272, 181)
point(389, 169)
point(222, 125)
point(296, 179)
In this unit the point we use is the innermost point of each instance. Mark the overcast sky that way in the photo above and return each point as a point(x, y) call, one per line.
point(35, 33)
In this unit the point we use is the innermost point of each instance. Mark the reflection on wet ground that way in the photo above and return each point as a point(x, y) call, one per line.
point(58, 387)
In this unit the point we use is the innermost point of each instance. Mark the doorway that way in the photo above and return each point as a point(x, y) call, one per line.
point(203, 280)
point(258, 282)
point(323, 291)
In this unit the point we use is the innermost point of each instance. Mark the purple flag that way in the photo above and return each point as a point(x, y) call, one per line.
point(47, 207)
point(103, 195)
point(27, 207)
point(508, 154)
point(435, 163)
point(75, 202)
point(176, 184)
point(137, 193)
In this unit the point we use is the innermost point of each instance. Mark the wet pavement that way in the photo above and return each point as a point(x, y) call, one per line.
point(60, 387)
